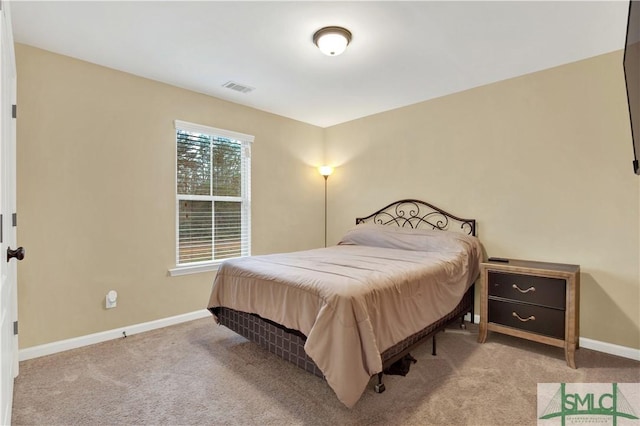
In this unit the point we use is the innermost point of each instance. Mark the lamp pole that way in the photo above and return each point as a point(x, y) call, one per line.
point(326, 177)
point(325, 171)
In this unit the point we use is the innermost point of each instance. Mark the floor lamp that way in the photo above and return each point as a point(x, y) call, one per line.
point(325, 171)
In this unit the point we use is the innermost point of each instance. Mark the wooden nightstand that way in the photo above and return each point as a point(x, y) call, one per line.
point(533, 300)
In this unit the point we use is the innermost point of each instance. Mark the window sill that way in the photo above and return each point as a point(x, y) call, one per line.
point(193, 269)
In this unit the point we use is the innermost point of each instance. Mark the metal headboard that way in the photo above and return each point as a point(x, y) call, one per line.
point(418, 214)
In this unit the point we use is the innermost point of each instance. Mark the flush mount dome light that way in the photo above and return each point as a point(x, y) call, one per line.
point(332, 41)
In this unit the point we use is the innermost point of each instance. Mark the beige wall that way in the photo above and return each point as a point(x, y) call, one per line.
point(543, 162)
point(96, 194)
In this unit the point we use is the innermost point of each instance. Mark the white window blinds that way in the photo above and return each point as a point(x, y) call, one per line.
point(213, 181)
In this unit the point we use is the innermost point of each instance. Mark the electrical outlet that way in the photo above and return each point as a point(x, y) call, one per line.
point(111, 299)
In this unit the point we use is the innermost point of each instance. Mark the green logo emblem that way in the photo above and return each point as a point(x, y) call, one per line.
point(565, 404)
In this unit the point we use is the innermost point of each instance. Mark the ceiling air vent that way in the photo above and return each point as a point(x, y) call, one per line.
point(238, 87)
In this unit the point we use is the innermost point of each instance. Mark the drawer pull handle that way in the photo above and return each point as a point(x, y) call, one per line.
point(531, 318)
point(524, 291)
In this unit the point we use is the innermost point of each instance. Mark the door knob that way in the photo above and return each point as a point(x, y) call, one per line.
point(17, 253)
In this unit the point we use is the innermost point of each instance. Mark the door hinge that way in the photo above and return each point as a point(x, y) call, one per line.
point(14, 219)
point(1, 227)
point(15, 328)
point(14, 111)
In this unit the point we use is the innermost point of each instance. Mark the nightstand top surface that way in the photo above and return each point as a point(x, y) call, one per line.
point(531, 264)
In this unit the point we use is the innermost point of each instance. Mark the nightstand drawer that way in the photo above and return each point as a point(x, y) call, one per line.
point(545, 291)
point(537, 319)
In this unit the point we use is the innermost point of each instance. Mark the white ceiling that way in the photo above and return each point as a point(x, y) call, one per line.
point(401, 52)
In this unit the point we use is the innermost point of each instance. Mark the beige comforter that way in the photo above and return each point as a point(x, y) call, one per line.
point(353, 301)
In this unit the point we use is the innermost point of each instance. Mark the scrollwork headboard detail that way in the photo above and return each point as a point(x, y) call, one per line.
point(419, 214)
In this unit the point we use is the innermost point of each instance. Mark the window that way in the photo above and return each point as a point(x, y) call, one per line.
point(213, 181)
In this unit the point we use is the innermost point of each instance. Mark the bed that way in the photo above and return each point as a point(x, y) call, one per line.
point(347, 312)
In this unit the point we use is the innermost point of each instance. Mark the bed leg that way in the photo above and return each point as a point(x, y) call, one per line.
point(472, 308)
point(463, 326)
point(433, 345)
point(379, 388)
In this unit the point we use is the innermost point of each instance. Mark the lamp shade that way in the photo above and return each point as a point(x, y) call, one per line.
point(332, 41)
point(325, 170)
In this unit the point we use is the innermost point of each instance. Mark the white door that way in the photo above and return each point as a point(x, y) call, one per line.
point(8, 286)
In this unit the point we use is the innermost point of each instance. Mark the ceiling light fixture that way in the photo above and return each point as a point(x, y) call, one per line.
point(332, 41)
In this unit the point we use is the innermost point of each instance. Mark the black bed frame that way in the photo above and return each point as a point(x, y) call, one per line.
point(410, 213)
point(289, 344)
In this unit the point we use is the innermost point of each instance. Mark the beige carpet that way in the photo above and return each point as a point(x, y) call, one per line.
point(203, 374)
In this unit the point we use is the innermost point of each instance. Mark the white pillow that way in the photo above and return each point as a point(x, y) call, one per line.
point(390, 236)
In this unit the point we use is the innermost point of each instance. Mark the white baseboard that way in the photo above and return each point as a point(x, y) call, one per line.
point(595, 345)
point(77, 342)
point(90, 339)
point(610, 348)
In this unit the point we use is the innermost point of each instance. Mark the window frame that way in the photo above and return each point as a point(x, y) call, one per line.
point(244, 198)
